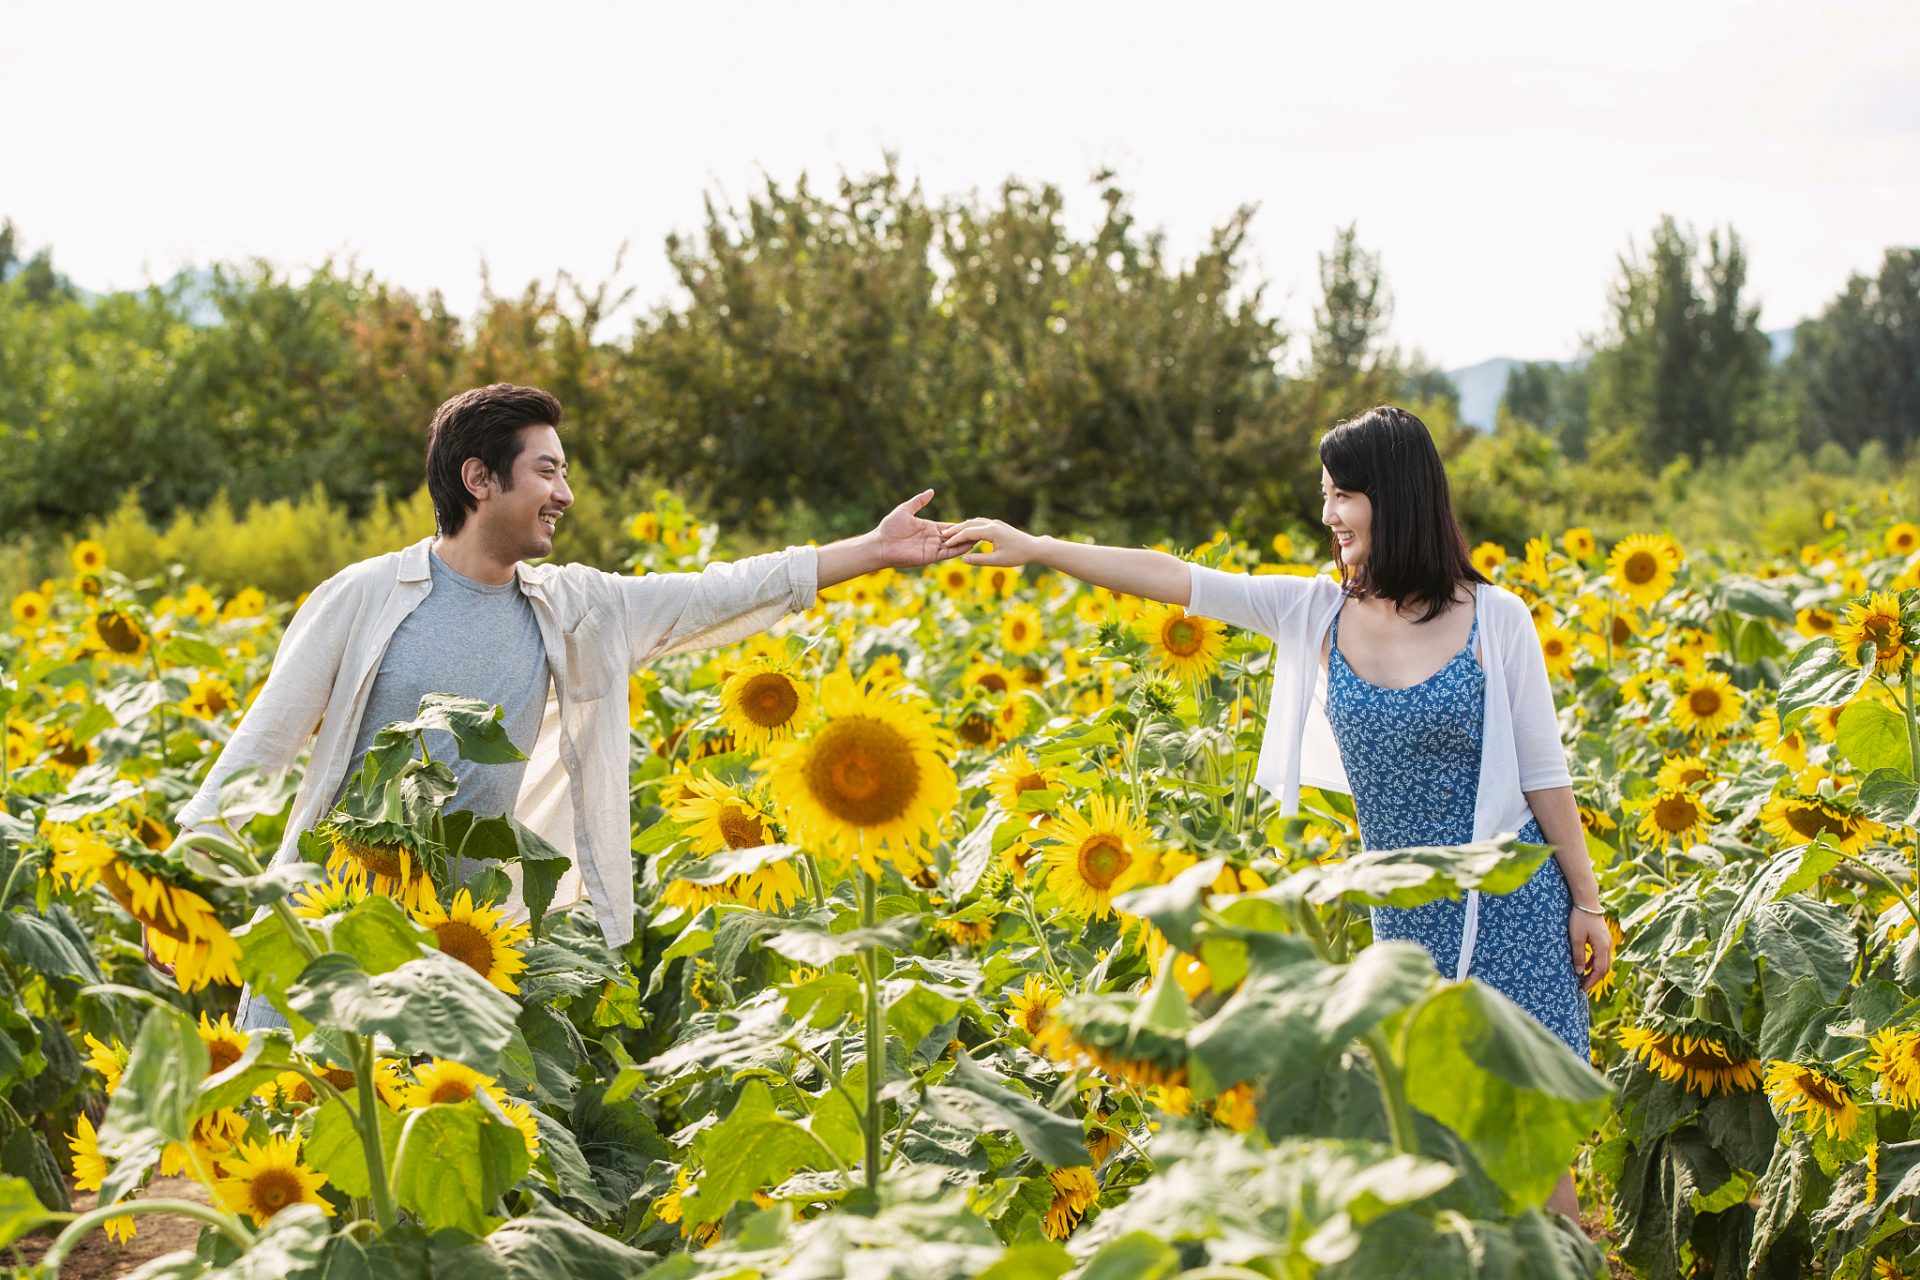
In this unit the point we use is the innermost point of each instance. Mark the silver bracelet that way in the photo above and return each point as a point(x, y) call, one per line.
point(1589, 910)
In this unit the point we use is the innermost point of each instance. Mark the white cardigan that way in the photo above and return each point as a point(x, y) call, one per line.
point(1521, 751)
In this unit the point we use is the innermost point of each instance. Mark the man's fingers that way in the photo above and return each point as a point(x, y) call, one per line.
point(916, 502)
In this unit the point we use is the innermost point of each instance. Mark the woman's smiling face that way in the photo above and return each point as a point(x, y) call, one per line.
point(1350, 516)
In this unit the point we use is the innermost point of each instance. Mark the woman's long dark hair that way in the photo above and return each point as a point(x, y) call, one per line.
point(1419, 556)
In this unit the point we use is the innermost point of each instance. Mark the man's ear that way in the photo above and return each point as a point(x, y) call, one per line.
point(475, 476)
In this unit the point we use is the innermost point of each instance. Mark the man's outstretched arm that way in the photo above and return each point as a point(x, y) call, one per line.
point(901, 541)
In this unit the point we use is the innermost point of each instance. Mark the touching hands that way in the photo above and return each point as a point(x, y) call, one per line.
point(1011, 546)
point(901, 541)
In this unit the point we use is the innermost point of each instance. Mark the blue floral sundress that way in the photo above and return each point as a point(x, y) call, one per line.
point(1412, 757)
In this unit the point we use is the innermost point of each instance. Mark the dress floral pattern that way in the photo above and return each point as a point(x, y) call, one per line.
point(1412, 757)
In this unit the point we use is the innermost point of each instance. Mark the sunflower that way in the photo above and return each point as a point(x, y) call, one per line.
point(1187, 647)
point(953, 578)
point(1642, 567)
point(1030, 1005)
point(90, 557)
point(1095, 856)
point(442, 1081)
point(967, 933)
point(1074, 1191)
point(1876, 619)
point(263, 1179)
point(226, 1043)
point(211, 1141)
point(722, 817)
point(182, 928)
point(871, 777)
point(1702, 1062)
point(886, 671)
point(1015, 775)
point(90, 1169)
point(1816, 622)
point(990, 676)
point(764, 702)
point(1535, 570)
point(65, 756)
point(1598, 821)
point(1903, 539)
point(1797, 819)
point(1488, 556)
point(208, 698)
point(478, 937)
point(382, 866)
point(1896, 1061)
point(997, 580)
point(1579, 543)
point(1098, 1032)
point(521, 1116)
point(110, 1060)
point(1684, 771)
point(1797, 1089)
point(1790, 748)
point(330, 897)
point(23, 743)
point(1020, 630)
point(116, 635)
point(248, 602)
point(1010, 719)
point(1557, 646)
point(29, 608)
point(1235, 1108)
point(1708, 704)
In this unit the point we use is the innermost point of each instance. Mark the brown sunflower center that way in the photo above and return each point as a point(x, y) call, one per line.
point(377, 859)
point(466, 944)
point(992, 681)
point(220, 1055)
point(1034, 1017)
point(1103, 859)
point(1703, 1056)
point(1622, 632)
point(1029, 782)
point(119, 632)
point(1821, 620)
point(769, 700)
point(1676, 813)
point(1705, 703)
point(273, 1190)
point(975, 730)
point(1182, 637)
point(1554, 646)
point(1812, 821)
point(1880, 630)
point(862, 771)
point(214, 702)
point(1903, 540)
point(451, 1091)
point(1820, 1091)
point(1640, 568)
point(1017, 628)
point(1031, 675)
point(741, 829)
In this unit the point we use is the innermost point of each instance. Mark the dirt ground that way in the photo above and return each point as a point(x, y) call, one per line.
point(97, 1258)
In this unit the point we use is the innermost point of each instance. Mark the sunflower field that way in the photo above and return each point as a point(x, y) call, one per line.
point(966, 946)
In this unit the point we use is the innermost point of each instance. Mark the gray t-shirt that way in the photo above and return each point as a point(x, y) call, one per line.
point(478, 641)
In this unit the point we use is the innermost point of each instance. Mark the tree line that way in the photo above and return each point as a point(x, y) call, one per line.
point(833, 348)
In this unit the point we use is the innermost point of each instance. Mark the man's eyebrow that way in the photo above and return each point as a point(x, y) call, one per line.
point(547, 457)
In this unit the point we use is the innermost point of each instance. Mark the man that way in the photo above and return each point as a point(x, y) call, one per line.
point(552, 645)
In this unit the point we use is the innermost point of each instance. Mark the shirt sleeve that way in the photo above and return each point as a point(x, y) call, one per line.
point(1536, 724)
point(284, 715)
point(680, 612)
point(1264, 603)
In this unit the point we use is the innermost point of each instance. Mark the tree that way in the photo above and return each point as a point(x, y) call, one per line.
point(1855, 370)
point(1686, 366)
point(1355, 306)
point(1552, 399)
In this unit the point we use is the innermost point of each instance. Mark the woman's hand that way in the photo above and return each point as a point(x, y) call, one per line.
point(1584, 931)
point(1011, 546)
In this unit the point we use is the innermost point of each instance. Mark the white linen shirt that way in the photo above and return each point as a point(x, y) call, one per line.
point(1521, 749)
point(597, 627)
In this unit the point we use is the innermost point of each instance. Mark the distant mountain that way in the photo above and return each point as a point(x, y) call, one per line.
point(1482, 386)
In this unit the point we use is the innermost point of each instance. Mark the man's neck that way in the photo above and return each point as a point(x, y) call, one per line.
point(468, 556)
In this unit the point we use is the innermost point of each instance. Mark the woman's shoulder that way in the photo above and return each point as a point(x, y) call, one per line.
point(1501, 607)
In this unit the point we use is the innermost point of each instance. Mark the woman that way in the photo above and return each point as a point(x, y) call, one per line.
point(1418, 687)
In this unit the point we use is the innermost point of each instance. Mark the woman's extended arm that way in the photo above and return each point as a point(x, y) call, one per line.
point(1154, 575)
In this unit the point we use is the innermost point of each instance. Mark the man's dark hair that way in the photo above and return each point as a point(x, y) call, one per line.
point(483, 423)
point(1419, 555)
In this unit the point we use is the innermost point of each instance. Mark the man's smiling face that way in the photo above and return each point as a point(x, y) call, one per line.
point(518, 522)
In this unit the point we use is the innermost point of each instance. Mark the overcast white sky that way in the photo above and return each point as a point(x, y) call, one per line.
point(1499, 157)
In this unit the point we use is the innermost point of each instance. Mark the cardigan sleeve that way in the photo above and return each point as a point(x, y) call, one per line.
point(1266, 604)
point(1536, 725)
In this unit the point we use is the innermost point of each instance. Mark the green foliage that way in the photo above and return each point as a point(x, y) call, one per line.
point(1852, 371)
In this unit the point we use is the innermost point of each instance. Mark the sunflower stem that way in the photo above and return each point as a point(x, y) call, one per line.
point(385, 1214)
point(1393, 1091)
point(225, 1223)
point(297, 932)
point(876, 1064)
point(819, 885)
point(1913, 726)
point(1040, 937)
